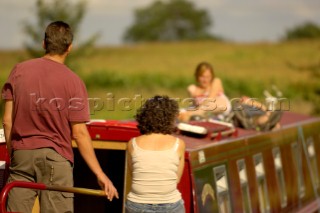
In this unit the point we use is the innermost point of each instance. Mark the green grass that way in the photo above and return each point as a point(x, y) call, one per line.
point(167, 68)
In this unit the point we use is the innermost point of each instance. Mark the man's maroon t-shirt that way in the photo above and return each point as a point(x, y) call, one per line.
point(47, 96)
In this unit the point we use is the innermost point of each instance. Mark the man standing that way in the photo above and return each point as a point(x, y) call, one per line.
point(45, 106)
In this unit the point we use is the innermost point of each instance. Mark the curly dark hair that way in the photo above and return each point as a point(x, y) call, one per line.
point(157, 115)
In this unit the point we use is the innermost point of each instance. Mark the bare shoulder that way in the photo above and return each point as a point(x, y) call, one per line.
point(192, 88)
point(217, 85)
point(216, 81)
point(168, 141)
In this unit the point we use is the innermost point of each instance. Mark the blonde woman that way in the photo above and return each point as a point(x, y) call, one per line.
point(208, 94)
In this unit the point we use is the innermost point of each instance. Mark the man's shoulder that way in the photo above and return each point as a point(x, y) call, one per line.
point(39, 63)
point(59, 69)
point(28, 62)
point(72, 74)
point(72, 78)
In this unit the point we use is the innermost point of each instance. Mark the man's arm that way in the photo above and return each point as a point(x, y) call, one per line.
point(7, 124)
point(83, 140)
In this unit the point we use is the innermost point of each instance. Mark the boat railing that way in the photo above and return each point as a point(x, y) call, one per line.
point(40, 186)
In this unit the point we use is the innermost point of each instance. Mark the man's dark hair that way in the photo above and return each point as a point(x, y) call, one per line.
point(157, 115)
point(58, 37)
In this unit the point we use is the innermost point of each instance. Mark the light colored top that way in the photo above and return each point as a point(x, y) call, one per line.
point(224, 104)
point(228, 106)
point(154, 175)
point(200, 98)
point(211, 98)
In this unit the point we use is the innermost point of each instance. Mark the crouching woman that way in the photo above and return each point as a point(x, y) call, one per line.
point(156, 159)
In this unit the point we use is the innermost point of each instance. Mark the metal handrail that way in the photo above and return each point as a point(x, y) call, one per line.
point(41, 186)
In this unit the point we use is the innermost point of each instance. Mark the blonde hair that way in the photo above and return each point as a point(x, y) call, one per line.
point(201, 68)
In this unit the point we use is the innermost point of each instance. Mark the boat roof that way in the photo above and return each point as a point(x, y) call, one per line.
point(288, 119)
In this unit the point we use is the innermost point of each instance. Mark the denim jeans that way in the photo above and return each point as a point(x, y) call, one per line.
point(177, 207)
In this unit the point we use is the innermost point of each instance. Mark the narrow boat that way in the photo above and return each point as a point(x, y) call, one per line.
point(231, 171)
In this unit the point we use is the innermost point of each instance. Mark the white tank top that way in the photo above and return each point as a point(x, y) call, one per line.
point(154, 176)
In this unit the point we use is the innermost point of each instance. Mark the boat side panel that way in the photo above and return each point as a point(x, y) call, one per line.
point(203, 161)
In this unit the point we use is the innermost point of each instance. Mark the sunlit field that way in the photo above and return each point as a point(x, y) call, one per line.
point(119, 78)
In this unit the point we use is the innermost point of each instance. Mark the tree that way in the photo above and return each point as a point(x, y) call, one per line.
point(169, 21)
point(303, 31)
point(54, 10)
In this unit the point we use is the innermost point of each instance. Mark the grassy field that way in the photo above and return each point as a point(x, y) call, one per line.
point(119, 78)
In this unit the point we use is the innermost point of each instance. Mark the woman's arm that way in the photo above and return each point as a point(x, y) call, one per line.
point(129, 156)
point(216, 101)
point(213, 103)
point(181, 150)
point(216, 88)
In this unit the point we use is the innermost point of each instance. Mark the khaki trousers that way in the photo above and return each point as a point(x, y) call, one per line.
point(40, 166)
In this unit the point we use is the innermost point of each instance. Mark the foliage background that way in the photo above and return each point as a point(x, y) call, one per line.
point(173, 20)
point(147, 69)
point(119, 78)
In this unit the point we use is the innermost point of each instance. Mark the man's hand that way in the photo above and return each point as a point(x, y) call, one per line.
point(106, 184)
point(83, 140)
